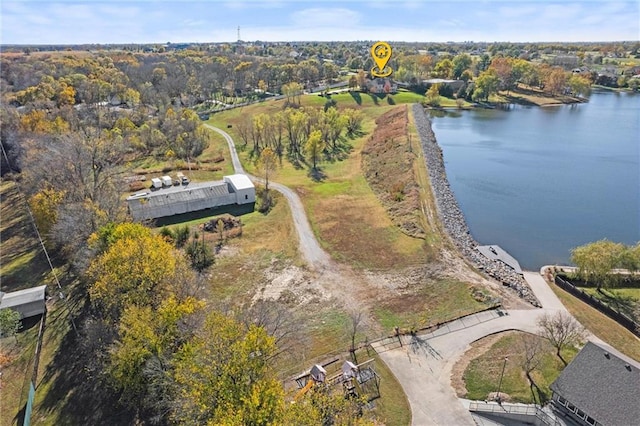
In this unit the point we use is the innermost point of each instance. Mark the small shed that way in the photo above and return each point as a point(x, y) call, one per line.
point(167, 181)
point(28, 302)
point(242, 186)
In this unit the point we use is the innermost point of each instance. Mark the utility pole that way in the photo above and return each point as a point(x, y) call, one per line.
point(239, 34)
point(500, 382)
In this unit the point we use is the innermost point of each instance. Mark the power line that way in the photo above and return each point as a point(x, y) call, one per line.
point(44, 248)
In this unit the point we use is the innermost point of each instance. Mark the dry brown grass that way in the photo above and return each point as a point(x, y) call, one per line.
point(387, 163)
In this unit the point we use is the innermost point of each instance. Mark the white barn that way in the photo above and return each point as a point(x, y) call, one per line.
point(154, 204)
point(242, 186)
point(28, 302)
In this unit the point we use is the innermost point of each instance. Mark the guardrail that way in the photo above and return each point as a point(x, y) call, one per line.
point(517, 409)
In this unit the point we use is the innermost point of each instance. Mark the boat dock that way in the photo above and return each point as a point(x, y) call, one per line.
point(494, 252)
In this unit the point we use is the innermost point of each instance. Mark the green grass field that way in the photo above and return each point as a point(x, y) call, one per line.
point(482, 375)
point(601, 325)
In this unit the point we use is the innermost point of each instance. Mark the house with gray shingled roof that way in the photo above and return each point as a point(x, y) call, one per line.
point(600, 386)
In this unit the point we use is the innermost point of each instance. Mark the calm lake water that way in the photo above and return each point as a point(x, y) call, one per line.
point(540, 181)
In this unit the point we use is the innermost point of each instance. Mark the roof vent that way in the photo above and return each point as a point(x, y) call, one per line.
point(627, 366)
point(606, 355)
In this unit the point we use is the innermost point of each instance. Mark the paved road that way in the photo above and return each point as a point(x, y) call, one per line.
point(309, 247)
point(424, 369)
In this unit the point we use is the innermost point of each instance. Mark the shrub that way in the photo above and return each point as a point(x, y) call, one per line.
point(181, 235)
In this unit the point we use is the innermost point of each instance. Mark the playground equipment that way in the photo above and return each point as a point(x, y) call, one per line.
point(317, 375)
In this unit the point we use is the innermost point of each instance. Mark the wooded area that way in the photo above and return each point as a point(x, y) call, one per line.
point(75, 124)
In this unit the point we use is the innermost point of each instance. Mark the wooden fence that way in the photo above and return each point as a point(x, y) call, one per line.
point(615, 315)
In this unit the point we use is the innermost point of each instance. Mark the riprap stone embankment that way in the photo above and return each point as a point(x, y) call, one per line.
point(453, 219)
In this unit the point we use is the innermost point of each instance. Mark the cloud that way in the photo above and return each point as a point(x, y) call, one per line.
point(510, 12)
point(325, 17)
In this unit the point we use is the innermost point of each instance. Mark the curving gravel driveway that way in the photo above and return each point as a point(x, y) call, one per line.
point(309, 247)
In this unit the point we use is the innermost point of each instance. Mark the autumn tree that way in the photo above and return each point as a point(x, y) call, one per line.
point(433, 95)
point(555, 81)
point(223, 376)
point(133, 271)
point(504, 71)
point(561, 330)
point(44, 207)
point(292, 91)
point(268, 164)
point(314, 147)
point(354, 120)
point(145, 334)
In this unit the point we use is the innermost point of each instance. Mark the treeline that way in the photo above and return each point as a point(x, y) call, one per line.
point(302, 133)
point(151, 341)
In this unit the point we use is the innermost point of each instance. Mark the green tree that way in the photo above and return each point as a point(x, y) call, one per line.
point(199, 253)
point(9, 322)
point(486, 85)
point(595, 262)
point(444, 68)
point(579, 85)
point(461, 63)
point(223, 376)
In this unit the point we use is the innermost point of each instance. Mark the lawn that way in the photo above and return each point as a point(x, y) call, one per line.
point(624, 300)
point(601, 325)
point(24, 265)
point(22, 260)
point(482, 375)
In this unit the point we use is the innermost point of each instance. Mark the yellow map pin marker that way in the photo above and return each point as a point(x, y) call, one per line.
point(381, 53)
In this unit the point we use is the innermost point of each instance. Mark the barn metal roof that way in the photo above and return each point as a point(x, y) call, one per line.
point(239, 181)
point(22, 297)
point(179, 199)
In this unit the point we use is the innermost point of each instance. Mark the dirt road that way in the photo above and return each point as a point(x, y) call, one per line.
point(309, 247)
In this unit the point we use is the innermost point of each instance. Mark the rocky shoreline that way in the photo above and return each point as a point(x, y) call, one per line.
point(453, 219)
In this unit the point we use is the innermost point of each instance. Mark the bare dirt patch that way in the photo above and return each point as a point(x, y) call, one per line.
point(292, 286)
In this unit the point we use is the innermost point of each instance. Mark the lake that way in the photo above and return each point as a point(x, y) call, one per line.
point(540, 181)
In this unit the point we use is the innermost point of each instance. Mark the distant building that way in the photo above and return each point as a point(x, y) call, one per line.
point(154, 204)
point(599, 387)
point(454, 84)
point(381, 85)
point(28, 302)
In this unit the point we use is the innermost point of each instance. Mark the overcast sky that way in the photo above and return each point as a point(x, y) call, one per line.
point(146, 21)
